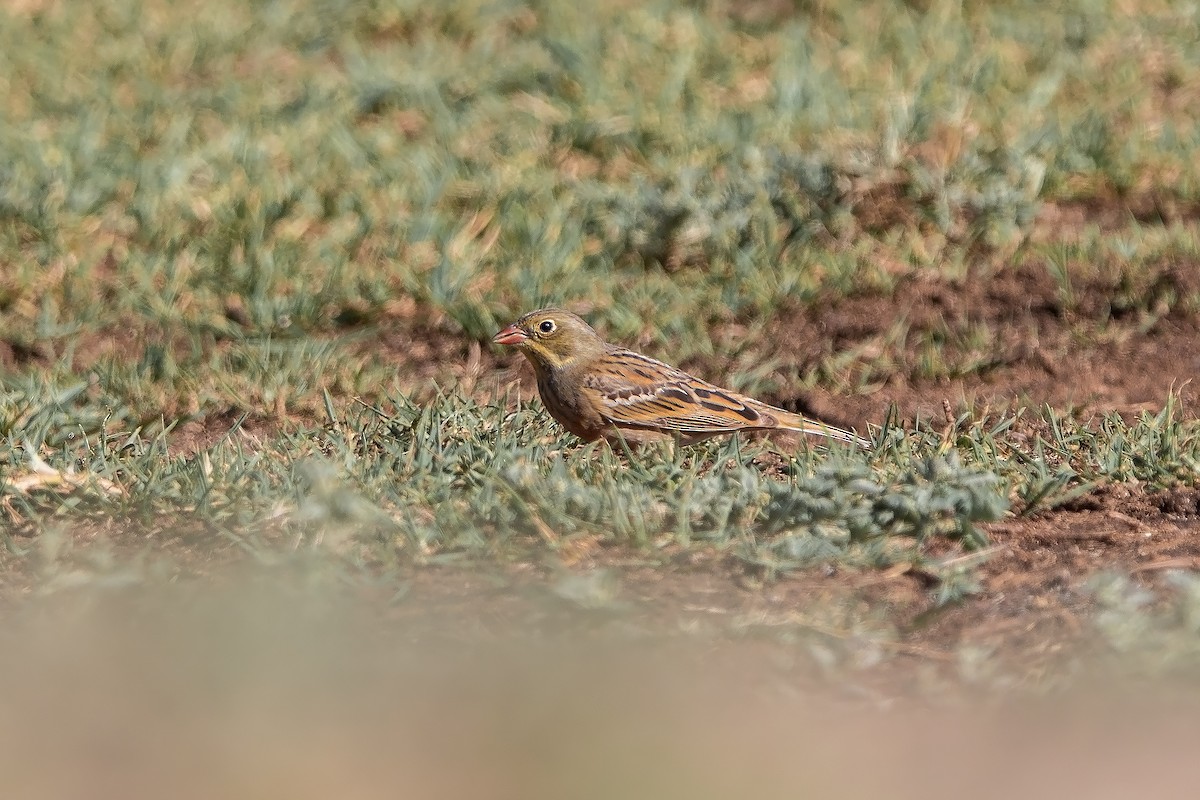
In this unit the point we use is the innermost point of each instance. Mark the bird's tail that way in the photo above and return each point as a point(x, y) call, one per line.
point(811, 427)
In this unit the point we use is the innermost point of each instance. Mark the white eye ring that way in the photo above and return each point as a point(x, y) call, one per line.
point(546, 326)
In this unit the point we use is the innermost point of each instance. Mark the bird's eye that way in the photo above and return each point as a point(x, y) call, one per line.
point(547, 326)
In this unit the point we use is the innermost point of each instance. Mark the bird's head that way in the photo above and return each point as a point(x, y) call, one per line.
point(552, 338)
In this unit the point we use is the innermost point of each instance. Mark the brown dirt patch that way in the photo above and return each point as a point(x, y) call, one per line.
point(1065, 221)
point(434, 355)
point(204, 431)
point(1089, 357)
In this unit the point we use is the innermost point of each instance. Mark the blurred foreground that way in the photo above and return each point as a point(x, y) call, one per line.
point(262, 689)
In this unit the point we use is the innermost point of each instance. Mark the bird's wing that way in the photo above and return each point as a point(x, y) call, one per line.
point(635, 391)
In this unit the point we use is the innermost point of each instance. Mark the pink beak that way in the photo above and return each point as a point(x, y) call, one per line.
point(510, 335)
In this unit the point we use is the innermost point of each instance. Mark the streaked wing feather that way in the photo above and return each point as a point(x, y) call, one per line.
point(633, 390)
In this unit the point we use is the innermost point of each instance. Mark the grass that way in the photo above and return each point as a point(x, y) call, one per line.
point(298, 223)
point(452, 477)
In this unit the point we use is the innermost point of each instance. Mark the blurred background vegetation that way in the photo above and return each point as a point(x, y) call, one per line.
point(199, 199)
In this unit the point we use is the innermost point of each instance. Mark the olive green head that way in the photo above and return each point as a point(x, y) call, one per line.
point(552, 338)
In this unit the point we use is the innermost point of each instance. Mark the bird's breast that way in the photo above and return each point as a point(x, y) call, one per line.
point(566, 402)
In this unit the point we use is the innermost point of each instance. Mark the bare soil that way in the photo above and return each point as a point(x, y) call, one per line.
point(1088, 358)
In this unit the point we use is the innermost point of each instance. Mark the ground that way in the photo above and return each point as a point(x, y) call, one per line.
point(277, 518)
point(1035, 603)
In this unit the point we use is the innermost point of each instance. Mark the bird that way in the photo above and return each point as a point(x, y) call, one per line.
point(599, 390)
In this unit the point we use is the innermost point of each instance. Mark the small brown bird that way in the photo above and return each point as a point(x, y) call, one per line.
point(597, 389)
